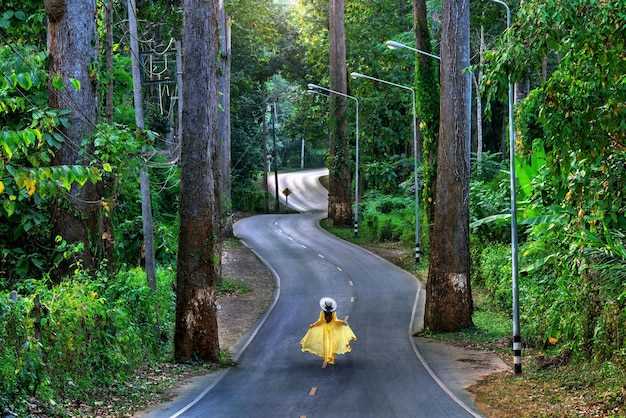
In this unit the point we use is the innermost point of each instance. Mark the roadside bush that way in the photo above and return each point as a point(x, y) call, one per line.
point(581, 312)
point(494, 273)
point(66, 339)
point(388, 218)
point(384, 176)
point(248, 196)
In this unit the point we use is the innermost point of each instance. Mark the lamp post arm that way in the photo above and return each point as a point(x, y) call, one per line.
point(419, 51)
point(508, 11)
point(315, 86)
point(385, 82)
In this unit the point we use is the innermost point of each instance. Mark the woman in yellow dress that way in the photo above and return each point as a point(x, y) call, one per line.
point(328, 336)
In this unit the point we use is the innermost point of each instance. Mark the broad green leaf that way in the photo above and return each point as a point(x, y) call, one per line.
point(24, 81)
point(9, 207)
point(75, 84)
point(57, 82)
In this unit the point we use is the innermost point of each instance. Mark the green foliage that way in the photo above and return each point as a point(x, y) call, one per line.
point(385, 175)
point(30, 181)
point(23, 20)
point(490, 200)
point(106, 325)
point(388, 218)
point(571, 172)
point(494, 274)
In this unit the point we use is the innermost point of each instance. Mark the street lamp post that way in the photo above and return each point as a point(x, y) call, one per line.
point(415, 154)
point(517, 339)
point(314, 88)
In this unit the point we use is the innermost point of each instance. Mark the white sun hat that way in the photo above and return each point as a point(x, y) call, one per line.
point(328, 304)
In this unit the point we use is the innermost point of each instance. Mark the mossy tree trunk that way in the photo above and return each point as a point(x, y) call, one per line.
point(340, 179)
point(427, 94)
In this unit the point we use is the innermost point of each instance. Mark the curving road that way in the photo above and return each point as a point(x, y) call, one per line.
point(381, 378)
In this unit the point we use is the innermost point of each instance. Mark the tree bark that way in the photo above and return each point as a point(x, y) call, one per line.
point(225, 162)
point(146, 204)
point(448, 293)
point(340, 179)
point(71, 53)
point(196, 334)
point(478, 80)
point(427, 94)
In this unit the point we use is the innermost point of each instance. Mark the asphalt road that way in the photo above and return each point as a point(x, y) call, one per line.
point(381, 378)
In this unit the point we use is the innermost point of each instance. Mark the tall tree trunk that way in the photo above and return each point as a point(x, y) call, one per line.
point(340, 179)
point(226, 137)
point(448, 293)
point(478, 80)
point(196, 320)
point(427, 94)
point(216, 150)
point(144, 183)
point(71, 54)
point(108, 21)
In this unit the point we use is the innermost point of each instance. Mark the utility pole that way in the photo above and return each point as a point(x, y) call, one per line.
point(275, 155)
point(302, 155)
point(146, 204)
point(266, 163)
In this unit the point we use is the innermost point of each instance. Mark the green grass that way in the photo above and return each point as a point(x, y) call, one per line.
point(490, 327)
point(491, 330)
point(345, 233)
point(231, 286)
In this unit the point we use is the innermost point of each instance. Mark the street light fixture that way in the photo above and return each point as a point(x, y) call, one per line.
point(399, 45)
point(517, 339)
point(415, 154)
point(315, 89)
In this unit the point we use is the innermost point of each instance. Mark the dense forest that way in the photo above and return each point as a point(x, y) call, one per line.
point(104, 223)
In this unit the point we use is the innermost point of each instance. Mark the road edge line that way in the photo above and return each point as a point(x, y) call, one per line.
point(426, 366)
point(251, 336)
point(418, 354)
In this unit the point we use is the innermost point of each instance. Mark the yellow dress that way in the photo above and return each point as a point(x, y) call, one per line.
point(326, 339)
